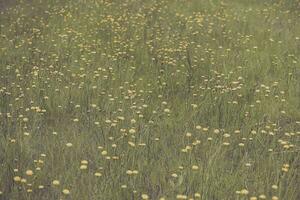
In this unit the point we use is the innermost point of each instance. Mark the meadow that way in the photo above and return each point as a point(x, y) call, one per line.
point(150, 99)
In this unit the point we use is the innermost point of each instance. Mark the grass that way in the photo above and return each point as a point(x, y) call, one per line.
point(158, 99)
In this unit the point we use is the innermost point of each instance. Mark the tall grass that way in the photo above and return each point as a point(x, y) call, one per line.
point(134, 99)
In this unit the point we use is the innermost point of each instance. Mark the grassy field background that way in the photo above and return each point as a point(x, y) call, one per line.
point(150, 99)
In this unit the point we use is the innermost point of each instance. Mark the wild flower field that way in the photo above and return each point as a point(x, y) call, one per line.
point(150, 99)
